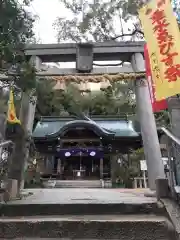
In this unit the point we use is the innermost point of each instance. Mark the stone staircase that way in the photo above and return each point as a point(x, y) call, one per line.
point(87, 220)
point(88, 227)
point(78, 184)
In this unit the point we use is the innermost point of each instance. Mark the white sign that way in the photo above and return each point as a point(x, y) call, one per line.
point(4, 155)
point(143, 165)
point(78, 174)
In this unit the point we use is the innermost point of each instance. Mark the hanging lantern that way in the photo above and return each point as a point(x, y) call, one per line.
point(60, 85)
point(105, 84)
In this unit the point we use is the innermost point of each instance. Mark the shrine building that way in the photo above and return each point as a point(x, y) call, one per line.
point(76, 149)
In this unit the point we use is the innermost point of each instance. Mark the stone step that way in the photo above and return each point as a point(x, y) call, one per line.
point(124, 227)
point(78, 208)
point(78, 184)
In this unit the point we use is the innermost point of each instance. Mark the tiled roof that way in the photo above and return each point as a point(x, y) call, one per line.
point(119, 128)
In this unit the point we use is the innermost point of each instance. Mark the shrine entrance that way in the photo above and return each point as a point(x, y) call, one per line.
point(75, 149)
point(81, 155)
point(84, 167)
point(81, 167)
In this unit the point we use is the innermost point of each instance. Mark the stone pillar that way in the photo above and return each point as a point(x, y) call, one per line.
point(27, 119)
point(174, 110)
point(148, 126)
point(36, 62)
point(59, 170)
point(45, 164)
point(2, 128)
point(27, 113)
point(101, 168)
point(31, 114)
point(51, 160)
point(17, 165)
point(22, 142)
point(11, 190)
point(114, 167)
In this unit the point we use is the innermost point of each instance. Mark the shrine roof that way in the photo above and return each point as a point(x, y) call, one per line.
point(50, 127)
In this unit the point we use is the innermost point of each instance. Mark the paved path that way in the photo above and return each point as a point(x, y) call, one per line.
point(81, 195)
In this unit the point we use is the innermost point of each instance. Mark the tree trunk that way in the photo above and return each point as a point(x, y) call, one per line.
point(20, 140)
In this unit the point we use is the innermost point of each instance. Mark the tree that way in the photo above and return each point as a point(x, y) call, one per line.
point(97, 24)
point(15, 27)
point(114, 100)
point(101, 21)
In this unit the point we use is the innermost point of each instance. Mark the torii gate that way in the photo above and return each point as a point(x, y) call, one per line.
point(84, 54)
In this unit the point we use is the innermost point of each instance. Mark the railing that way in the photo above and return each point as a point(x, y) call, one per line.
point(6, 151)
point(173, 151)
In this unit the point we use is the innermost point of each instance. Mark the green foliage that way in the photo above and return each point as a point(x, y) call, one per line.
point(129, 167)
point(46, 102)
point(100, 21)
point(98, 24)
point(162, 118)
point(15, 28)
point(113, 101)
point(104, 21)
point(26, 79)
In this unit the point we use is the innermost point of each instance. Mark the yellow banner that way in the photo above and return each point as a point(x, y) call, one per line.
point(11, 116)
point(163, 40)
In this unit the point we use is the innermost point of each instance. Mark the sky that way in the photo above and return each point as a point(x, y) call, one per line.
point(47, 12)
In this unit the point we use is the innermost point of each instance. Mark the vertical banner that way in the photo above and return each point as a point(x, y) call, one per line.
point(162, 36)
point(156, 105)
point(11, 114)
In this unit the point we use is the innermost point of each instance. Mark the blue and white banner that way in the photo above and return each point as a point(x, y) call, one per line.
point(92, 152)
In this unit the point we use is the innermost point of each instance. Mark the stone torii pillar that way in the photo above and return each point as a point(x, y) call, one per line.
point(148, 126)
point(27, 115)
